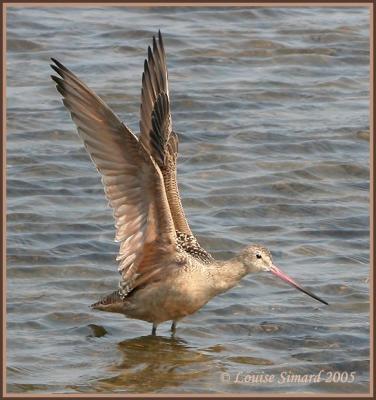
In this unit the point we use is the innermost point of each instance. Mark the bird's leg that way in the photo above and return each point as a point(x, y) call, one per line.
point(154, 330)
point(173, 327)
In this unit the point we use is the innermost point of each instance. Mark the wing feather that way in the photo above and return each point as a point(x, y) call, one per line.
point(132, 181)
point(156, 134)
point(161, 142)
point(154, 84)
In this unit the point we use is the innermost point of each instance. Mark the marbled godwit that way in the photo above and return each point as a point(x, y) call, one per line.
point(165, 273)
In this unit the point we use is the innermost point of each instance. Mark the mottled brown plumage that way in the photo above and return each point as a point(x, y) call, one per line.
point(165, 273)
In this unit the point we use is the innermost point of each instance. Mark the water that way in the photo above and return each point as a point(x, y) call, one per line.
point(272, 106)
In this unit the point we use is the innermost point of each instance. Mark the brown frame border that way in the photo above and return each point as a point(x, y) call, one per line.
point(197, 3)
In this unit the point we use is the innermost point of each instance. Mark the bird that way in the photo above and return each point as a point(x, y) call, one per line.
point(165, 274)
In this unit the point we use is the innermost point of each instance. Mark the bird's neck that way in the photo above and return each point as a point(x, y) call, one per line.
point(226, 274)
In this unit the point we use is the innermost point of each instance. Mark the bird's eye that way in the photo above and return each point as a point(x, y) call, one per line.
point(258, 255)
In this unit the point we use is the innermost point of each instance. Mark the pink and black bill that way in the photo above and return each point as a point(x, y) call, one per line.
point(277, 272)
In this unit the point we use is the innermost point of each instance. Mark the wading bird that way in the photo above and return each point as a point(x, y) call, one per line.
point(165, 273)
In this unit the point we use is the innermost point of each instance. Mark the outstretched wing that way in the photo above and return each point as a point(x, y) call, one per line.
point(156, 133)
point(161, 142)
point(132, 181)
point(155, 89)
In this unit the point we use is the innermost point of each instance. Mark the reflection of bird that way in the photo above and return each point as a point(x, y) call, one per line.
point(165, 273)
point(156, 364)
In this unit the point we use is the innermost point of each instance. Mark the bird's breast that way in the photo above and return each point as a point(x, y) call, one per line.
point(175, 297)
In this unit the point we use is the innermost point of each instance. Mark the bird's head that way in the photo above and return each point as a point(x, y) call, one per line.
point(257, 258)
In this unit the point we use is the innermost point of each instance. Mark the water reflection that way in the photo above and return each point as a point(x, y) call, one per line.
point(154, 363)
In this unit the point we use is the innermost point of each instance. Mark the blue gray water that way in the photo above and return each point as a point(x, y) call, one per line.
point(272, 106)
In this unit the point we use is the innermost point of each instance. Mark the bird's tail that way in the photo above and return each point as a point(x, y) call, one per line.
point(112, 303)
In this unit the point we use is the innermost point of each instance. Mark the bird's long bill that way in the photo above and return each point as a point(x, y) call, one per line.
point(277, 272)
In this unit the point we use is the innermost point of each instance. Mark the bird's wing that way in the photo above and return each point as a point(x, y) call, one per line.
point(156, 134)
point(155, 87)
point(132, 181)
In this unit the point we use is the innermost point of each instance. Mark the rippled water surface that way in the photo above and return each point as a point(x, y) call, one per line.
point(272, 106)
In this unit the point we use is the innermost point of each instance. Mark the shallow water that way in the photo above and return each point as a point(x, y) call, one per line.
point(272, 104)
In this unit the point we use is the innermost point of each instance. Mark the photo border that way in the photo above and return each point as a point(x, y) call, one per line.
point(195, 3)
